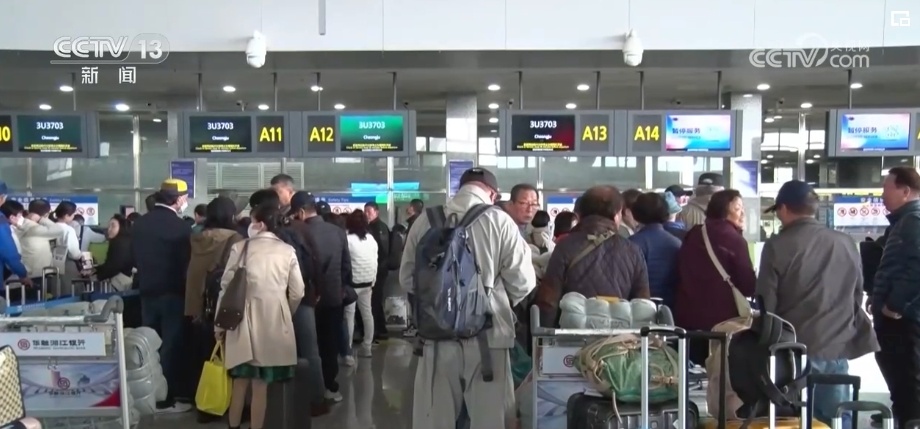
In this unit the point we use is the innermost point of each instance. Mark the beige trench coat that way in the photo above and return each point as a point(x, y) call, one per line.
point(275, 286)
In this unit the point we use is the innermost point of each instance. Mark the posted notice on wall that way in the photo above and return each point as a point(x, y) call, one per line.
point(55, 344)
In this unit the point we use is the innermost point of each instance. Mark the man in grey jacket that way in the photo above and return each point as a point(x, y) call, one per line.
point(694, 213)
point(810, 275)
point(449, 376)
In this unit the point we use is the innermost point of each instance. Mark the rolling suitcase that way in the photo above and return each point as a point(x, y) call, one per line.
point(832, 379)
point(288, 402)
point(587, 412)
point(856, 406)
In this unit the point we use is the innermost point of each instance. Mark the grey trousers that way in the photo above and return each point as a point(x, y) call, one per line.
point(448, 379)
point(305, 333)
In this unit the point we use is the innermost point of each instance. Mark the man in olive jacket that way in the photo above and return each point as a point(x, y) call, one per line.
point(896, 294)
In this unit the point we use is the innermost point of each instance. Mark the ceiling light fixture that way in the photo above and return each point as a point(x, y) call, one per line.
point(122, 107)
point(806, 105)
point(748, 95)
point(228, 88)
point(583, 87)
point(44, 106)
point(66, 88)
point(855, 85)
point(493, 106)
point(763, 87)
point(493, 120)
point(571, 106)
point(494, 87)
point(316, 88)
point(493, 131)
point(263, 107)
point(157, 120)
point(777, 117)
point(769, 120)
point(339, 106)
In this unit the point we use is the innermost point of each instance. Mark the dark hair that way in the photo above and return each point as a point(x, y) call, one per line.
point(719, 202)
point(520, 188)
point(133, 217)
point(336, 219)
point(371, 205)
point(264, 196)
point(65, 208)
point(629, 198)
point(167, 198)
point(244, 222)
point(356, 223)
point(417, 205)
point(282, 179)
point(269, 215)
point(11, 208)
point(219, 214)
point(201, 210)
point(650, 208)
point(79, 218)
point(540, 219)
point(807, 208)
point(906, 176)
point(563, 223)
point(604, 201)
point(124, 225)
point(151, 201)
point(40, 207)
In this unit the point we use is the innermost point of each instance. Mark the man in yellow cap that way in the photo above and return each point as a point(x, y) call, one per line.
point(161, 248)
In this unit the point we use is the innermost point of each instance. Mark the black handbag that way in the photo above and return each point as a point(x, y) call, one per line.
point(232, 304)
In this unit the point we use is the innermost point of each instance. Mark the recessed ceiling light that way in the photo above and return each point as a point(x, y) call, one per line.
point(494, 87)
point(493, 106)
point(228, 88)
point(817, 157)
point(769, 120)
point(769, 156)
point(122, 107)
point(855, 85)
point(263, 107)
point(806, 105)
point(809, 161)
point(570, 106)
point(316, 88)
point(494, 131)
point(583, 87)
point(339, 106)
point(763, 161)
point(748, 95)
point(493, 120)
point(777, 117)
point(763, 87)
point(44, 106)
point(157, 120)
point(66, 88)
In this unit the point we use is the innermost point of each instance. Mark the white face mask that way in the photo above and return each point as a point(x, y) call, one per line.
point(21, 221)
point(252, 231)
point(183, 206)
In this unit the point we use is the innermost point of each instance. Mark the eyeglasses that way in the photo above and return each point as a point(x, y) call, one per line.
point(531, 204)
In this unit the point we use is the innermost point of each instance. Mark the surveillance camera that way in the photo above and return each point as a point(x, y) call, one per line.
point(240, 103)
point(632, 49)
point(256, 50)
point(676, 102)
point(406, 105)
point(510, 103)
point(781, 101)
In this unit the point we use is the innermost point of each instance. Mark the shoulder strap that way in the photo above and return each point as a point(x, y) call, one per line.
point(225, 254)
point(741, 303)
point(437, 217)
point(474, 213)
point(594, 241)
point(244, 252)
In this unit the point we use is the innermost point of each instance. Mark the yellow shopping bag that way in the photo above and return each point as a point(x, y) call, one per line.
point(214, 387)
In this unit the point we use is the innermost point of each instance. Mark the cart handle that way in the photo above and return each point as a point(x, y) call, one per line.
point(113, 304)
point(865, 406)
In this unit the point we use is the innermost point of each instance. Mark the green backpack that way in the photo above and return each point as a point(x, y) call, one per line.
point(614, 367)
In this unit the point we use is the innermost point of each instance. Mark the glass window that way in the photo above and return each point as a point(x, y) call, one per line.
point(156, 150)
point(337, 174)
point(683, 170)
point(581, 173)
point(109, 202)
point(428, 172)
point(511, 170)
point(246, 176)
point(402, 199)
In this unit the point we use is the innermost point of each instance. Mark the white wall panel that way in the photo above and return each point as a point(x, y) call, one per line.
point(580, 24)
point(672, 24)
point(819, 23)
point(443, 25)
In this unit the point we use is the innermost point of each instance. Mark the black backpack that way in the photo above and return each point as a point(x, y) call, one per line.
point(397, 244)
point(749, 366)
point(212, 281)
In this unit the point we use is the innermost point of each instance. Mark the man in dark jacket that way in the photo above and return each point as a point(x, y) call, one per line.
point(381, 233)
point(161, 248)
point(896, 294)
point(593, 260)
point(333, 271)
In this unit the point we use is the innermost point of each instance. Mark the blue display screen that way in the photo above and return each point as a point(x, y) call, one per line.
point(863, 132)
point(698, 133)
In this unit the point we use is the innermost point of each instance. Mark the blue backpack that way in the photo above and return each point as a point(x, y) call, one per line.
point(448, 303)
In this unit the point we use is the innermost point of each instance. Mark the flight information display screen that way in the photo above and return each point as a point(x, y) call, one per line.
point(222, 134)
point(371, 133)
point(698, 133)
point(49, 134)
point(542, 133)
point(875, 132)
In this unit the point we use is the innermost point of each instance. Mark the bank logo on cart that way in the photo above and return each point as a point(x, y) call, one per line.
point(816, 52)
point(569, 361)
point(24, 344)
point(146, 48)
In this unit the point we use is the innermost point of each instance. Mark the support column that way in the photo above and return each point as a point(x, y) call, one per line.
point(751, 105)
point(461, 128)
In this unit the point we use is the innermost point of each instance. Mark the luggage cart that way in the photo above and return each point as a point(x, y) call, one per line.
point(554, 353)
point(77, 378)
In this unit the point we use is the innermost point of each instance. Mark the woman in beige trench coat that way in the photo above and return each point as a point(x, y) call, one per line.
point(262, 349)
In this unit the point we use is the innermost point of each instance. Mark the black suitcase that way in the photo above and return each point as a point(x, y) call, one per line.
point(288, 402)
point(592, 412)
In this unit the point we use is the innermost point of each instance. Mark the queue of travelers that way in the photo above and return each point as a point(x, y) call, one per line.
point(311, 274)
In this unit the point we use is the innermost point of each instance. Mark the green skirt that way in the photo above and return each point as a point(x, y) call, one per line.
point(268, 374)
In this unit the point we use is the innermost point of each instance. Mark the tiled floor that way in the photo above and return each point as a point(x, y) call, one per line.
point(378, 393)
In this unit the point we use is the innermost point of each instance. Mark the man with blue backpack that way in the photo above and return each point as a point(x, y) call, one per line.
point(465, 265)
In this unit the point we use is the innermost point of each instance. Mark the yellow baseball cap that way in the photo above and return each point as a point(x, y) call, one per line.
point(174, 186)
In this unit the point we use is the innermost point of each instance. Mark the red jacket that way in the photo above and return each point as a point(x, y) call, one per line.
point(703, 298)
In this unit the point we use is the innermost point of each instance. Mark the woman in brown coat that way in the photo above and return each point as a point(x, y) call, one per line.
point(262, 349)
